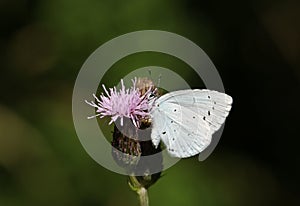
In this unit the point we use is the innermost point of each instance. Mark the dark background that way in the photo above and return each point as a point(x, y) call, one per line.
point(255, 45)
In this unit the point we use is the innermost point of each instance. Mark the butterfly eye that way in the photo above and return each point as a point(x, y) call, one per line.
point(151, 95)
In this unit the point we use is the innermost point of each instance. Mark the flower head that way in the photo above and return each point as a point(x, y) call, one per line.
point(127, 103)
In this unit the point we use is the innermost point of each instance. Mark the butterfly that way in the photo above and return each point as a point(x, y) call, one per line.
point(185, 120)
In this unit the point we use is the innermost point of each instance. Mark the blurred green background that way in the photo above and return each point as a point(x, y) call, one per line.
point(254, 44)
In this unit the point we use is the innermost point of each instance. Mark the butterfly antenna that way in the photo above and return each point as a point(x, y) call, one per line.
point(150, 73)
point(158, 81)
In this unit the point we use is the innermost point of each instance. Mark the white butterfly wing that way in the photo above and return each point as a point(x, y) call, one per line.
point(185, 120)
point(183, 137)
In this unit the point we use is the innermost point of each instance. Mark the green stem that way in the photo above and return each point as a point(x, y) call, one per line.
point(140, 190)
point(143, 195)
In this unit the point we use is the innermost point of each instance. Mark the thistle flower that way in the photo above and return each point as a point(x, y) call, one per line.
point(128, 103)
point(134, 105)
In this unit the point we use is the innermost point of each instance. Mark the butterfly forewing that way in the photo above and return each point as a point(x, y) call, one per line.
point(213, 106)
